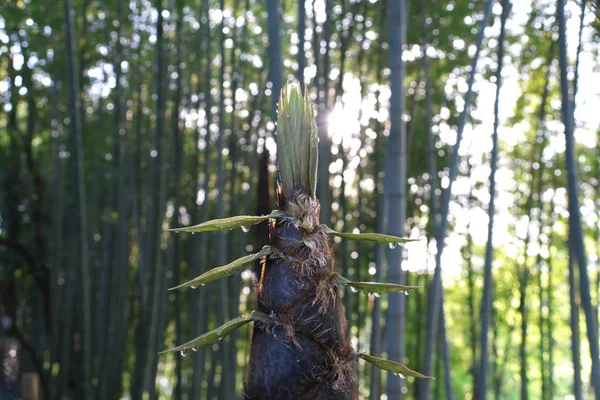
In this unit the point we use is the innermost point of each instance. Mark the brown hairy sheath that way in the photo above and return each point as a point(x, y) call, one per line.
point(306, 353)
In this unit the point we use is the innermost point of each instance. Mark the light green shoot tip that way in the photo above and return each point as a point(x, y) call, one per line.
point(296, 141)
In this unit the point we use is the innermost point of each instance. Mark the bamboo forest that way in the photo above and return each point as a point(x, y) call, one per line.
point(310, 199)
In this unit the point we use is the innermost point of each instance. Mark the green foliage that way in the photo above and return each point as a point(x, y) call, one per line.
point(240, 221)
point(233, 267)
point(376, 287)
point(380, 238)
point(213, 336)
point(392, 366)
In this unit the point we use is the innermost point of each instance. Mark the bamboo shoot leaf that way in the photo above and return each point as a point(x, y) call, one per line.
point(376, 287)
point(226, 270)
point(213, 336)
point(392, 241)
point(392, 366)
point(224, 224)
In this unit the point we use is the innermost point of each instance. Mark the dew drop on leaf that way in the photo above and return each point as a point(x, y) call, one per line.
point(354, 290)
point(193, 287)
point(377, 294)
point(392, 245)
point(184, 352)
point(195, 349)
point(245, 229)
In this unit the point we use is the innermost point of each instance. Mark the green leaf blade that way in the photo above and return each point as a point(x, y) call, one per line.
point(213, 336)
point(370, 237)
point(392, 366)
point(379, 287)
point(226, 270)
point(225, 224)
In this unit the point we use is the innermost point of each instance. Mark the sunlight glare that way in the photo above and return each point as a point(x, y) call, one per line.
point(341, 125)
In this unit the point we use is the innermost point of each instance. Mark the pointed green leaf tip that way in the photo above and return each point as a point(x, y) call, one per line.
point(241, 221)
point(392, 366)
point(296, 141)
point(213, 336)
point(218, 334)
point(221, 272)
point(370, 237)
point(376, 287)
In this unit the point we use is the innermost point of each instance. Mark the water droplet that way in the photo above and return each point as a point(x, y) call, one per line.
point(245, 229)
point(184, 352)
point(195, 349)
point(297, 359)
point(406, 292)
point(202, 284)
point(377, 294)
point(220, 338)
point(399, 375)
point(193, 287)
point(392, 245)
point(354, 290)
point(273, 332)
point(370, 294)
point(193, 233)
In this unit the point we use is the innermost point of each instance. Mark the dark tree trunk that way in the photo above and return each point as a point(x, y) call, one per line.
point(155, 214)
point(434, 305)
point(574, 322)
point(323, 192)
point(381, 151)
point(301, 31)
point(576, 233)
point(275, 61)
point(78, 170)
point(199, 256)
point(488, 284)
point(396, 169)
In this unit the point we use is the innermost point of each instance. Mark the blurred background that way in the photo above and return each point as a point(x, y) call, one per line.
point(120, 119)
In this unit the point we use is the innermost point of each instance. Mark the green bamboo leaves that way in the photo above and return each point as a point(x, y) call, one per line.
point(221, 332)
point(240, 221)
point(296, 141)
point(220, 272)
point(390, 240)
point(245, 221)
point(376, 287)
point(213, 336)
point(392, 366)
